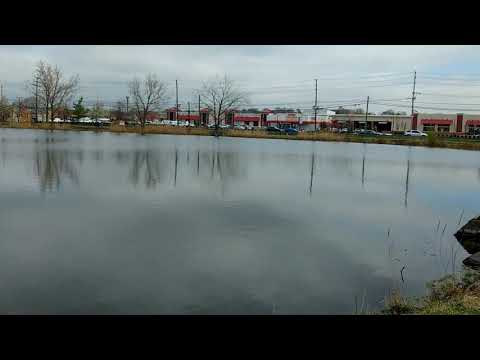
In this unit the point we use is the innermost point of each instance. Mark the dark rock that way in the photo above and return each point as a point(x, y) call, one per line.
point(473, 261)
point(469, 236)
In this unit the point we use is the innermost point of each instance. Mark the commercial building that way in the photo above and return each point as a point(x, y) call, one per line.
point(382, 123)
point(446, 123)
point(441, 123)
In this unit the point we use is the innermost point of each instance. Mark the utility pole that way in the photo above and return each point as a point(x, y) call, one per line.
point(199, 113)
point(97, 106)
point(1, 90)
point(19, 109)
point(315, 108)
point(188, 113)
point(176, 95)
point(127, 108)
point(366, 113)
point(36, 99)
point(413, 92)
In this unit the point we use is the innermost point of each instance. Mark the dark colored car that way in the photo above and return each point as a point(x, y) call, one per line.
point(291, 131)
point(275, 130)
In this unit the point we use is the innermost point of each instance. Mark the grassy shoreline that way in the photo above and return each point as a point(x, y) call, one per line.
point(431, 141)
point(457, 294)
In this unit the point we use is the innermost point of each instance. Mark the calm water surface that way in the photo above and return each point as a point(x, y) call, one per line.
point(106, 224)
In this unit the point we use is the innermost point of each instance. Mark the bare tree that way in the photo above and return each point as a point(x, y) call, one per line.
point(118, 112)
point(54, 90)
point(5, 109)
point(147, 95)
point(98, 110)
point(220, 96)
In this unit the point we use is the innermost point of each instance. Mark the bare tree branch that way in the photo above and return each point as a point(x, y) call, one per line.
point(54, 91)
point(147, 95)
point(221, 96)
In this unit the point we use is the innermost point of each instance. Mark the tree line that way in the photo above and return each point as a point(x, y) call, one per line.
point(50, 92)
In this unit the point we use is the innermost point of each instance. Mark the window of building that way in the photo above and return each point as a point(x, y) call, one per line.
point(443, 128)
point(428, 128)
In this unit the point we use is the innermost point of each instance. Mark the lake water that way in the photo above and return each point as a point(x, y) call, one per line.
point(99, 223)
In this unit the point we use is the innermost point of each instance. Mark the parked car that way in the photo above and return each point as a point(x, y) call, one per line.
point(414, 133)
point(250, 127)
point(290, 131)
point(274, 129)
point(211, 126)
point(366, 132)
point(225, 126)
point(344, 130)
point(240, 127)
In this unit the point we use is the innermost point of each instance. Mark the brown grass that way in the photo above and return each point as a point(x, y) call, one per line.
point(431, 141)
point(452, 295)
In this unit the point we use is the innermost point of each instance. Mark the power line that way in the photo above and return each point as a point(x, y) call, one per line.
point(450, 95)
point(426, 107)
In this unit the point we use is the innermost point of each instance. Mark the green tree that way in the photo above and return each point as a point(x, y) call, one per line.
point(78, 109)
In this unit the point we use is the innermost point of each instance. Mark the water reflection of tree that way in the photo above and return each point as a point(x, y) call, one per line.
point(53, 166)
point(146, 164)
point(155, 167)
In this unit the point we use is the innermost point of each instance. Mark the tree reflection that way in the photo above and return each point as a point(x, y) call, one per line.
point(52, 166)
point(154, 167)
point(146, 164)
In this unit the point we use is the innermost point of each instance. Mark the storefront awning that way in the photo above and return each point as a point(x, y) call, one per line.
point(437, 122)
point(473, 122)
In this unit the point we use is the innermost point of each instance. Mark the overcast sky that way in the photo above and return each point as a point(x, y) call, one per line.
point(448, 77)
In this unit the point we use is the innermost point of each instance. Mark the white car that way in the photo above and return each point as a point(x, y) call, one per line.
point(414, 133)
point(240, 127)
